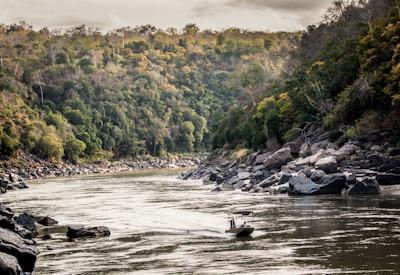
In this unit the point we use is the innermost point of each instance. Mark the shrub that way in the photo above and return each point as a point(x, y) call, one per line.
point(74, 148)
point(50, 146)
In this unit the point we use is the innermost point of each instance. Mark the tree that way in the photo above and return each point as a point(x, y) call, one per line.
point(191, 29)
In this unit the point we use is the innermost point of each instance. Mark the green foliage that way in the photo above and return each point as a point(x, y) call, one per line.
point(50, 146)
point(74, 148)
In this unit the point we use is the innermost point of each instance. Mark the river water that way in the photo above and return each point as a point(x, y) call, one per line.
point(161, 225)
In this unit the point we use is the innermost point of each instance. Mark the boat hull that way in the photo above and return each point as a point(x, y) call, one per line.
point(241, 231)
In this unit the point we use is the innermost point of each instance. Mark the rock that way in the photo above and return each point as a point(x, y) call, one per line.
point(377, 148)
point(346, 150)
point(243, 175)
point(13, 177)
point(217, 189)
point(294, 146)
point(368, 186)
point(350, 177)
point(239, 185)
point(327, 164)
point(11, 243)
point(81, 232)
point(268, 182)
point(214, 176)
point(279, 158)
point(319, 145)
point(317, 175)
point(311, 159)
point(388, 179)
point(305, 149)
point(227, 187)
point(9, 265)
point(299, 186)
point(279, 189)
point(261, 158)
point(233, 180)
point(47, 237)
point(46, 221)
point(258, 168)
point(28, 222)
point(333, 184)
point(393, 151)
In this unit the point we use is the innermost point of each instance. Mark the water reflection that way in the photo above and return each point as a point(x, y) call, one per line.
point(161, 225)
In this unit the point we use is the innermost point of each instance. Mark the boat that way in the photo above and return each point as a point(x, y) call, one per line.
point(242, 230)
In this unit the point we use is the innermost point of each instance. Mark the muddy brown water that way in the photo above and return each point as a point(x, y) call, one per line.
point(161, 225)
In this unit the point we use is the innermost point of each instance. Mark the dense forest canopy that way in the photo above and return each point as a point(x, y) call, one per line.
point(347, 78)
point(81, 93)
point(85, 94)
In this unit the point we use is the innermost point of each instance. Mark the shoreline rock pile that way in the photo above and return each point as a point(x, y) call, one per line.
point(306, 168)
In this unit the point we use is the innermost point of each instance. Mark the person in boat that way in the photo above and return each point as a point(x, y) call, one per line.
point(232, 222)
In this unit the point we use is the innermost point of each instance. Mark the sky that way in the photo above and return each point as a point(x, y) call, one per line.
point(264, 15)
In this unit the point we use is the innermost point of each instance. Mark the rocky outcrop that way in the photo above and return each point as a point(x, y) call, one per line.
point(27, 221)
point(366, 186)
point(318, 166)
point(302, 186)
point(82, 232)
point(22, 249)
point(9, 265)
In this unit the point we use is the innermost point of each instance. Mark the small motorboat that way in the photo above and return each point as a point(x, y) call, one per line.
point(242, 230)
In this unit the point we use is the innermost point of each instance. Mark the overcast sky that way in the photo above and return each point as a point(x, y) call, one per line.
point(273, 15)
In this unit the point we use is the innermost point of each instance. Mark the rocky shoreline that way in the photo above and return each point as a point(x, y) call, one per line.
point(13, 175)
point(312, 166)
point(18, 253)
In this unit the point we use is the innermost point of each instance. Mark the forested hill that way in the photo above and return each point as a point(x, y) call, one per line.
point(348, 80)
point(85, 94)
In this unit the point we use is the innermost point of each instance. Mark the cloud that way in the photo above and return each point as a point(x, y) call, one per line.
point(281, 5)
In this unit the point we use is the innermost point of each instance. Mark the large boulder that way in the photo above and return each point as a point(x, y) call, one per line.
point(305, 149)
point(279, 158)
point(27, 221)
point(327, 164)
point(346, 151)
point(9, 265)
point(388, 179)
point(368, 186)
point(333, 184)
point(22, 249)
point(261, 158)
point(302, 186)
point(81, 232)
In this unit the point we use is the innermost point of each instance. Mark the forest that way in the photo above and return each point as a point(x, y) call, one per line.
point(347, 78)
point(84, 94)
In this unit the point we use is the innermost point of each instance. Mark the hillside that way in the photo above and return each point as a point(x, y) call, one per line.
point(347, 80)
point(82, 94)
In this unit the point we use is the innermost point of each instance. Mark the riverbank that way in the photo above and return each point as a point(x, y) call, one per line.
point(316, 165)
point(24, 167)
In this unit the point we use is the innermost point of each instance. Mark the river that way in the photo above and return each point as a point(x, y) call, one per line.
point(161, 225)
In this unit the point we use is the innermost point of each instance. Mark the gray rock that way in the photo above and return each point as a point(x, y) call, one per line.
point(243, 175)
point(305, 149)
point(239, 185)
point(301, 186)
point(378, 148)
point(22, 249)
point(82, 232)
point(261, 158)
point(46, 221)
point(279, 189)
point(217, 189)
point(227, 187)
point(319, 145)
point(368, 186)
point(346, 150)
point(393, 151)
point(279, 158)
point(258, 168)
point(317, 175)
point(232, 180)
point(27, 221)
point(333, 184)
point(9, 265)
point(327, 164)
point(388, 179)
